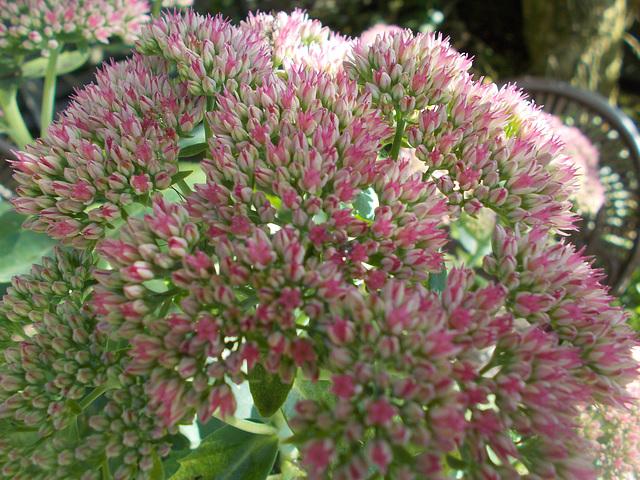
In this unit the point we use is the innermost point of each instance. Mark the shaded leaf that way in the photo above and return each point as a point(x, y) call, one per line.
point(192, 150)
point(267, 390)
point(19, 248)
point(456, 463)
point(180, 448)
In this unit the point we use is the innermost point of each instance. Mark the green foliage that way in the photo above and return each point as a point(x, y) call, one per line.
point(267, 390)
point(19, 248)
point(304, 388)
point(66, 62)
point(365, 203)
point(229, 454)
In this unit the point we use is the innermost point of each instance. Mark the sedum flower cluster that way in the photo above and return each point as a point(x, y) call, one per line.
point(34, 26)
point(585, 156)
point(314, 250)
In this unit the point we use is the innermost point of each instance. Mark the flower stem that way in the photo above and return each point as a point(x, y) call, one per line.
point(288, 452)
point(397, 139)
point(18, 130)
point(106, 472)
point(49, 90)
point(156, 5)
point(248, 426)
point(207, 127)
point(96, 392)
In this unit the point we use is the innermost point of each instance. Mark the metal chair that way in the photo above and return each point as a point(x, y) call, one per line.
point(611, 236)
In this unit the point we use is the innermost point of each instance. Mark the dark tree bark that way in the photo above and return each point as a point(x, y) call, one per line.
point(579, 41)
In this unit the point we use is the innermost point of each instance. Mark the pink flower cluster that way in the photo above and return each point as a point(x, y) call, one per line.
point(209, 54)
point(314, 249)
point(113, 146)
point(34, 26)
point(46, 377)
point(296, 40)
point(585, 158)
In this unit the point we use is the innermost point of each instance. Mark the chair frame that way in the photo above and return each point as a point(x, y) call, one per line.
point(558, 98)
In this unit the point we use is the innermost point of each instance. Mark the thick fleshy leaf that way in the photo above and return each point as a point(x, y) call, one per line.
point(438, 281)
point(267, 390)
point(230, 454)
point(306, 389)
point(19, 248)
point(65, 63)
point(366, 203)
point(192, 150)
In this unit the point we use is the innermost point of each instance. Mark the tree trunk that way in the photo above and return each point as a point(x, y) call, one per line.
point(579, 41)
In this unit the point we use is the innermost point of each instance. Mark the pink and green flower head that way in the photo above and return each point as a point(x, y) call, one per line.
point(34, 26)
point(314, 255)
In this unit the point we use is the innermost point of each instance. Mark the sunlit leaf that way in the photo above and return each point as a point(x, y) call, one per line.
point(65, 63)
point(230, 454)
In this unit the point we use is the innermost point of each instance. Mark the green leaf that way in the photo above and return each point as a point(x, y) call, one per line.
point(181, 175)
point(438, 281)
point(267, 390)
point(206, 429)
point(456, 463)
point(365, 203)
point(19, 248)
point(157, 471)
point(74, 407)
point(66, 62)
point(304, 388)
point(197, 135)
point(192, 150)
point(180, 448)
point(230, 454)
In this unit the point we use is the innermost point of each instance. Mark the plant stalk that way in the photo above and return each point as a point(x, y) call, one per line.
point(49, 90)
point(18, 130)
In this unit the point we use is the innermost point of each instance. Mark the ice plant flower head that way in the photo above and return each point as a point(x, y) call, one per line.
point(370, 34)
point(314, 251)
point(177, 3)
point(297, 40)
point(47, 376)
point(34, 26)
point(585, 157)
point(114, 145)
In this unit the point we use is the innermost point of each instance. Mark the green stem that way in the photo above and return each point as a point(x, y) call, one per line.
point(397, 139)
point(18, 130)
point(106, 472)
point(211, 101)
point(156, 5)
point(248, 426)
point(288, 452)
point(49, 90)
point(95, 393)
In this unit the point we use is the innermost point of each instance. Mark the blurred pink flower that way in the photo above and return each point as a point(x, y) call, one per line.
point(584, 157)
point(35, 26)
